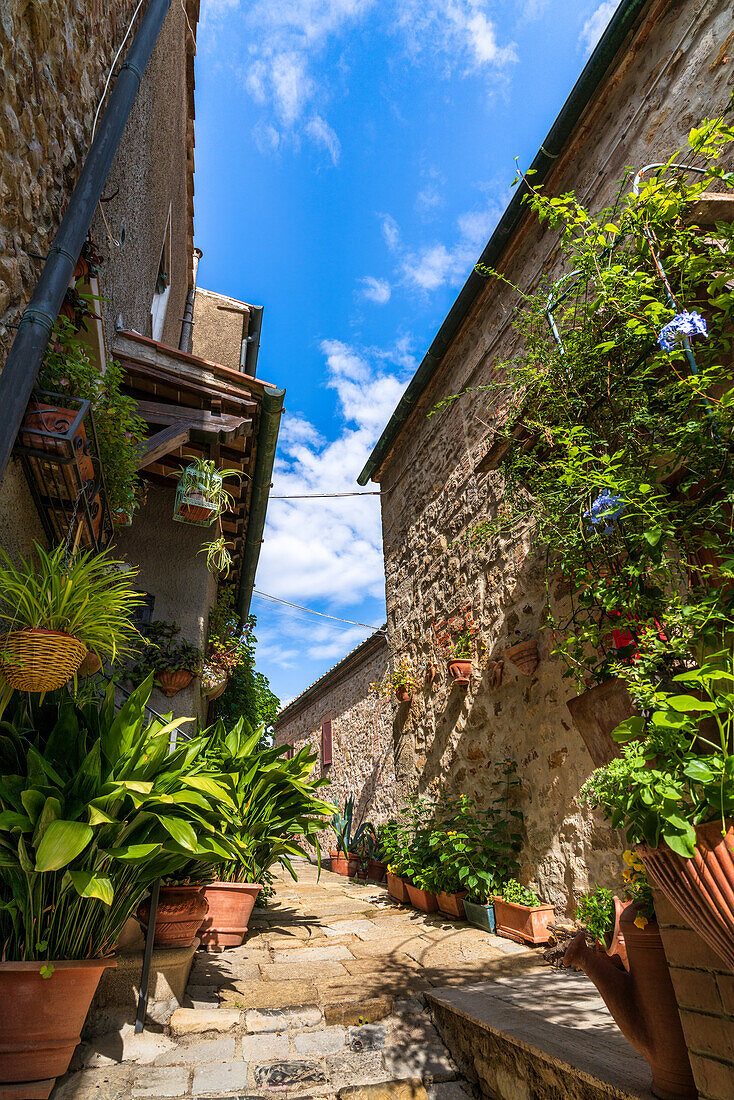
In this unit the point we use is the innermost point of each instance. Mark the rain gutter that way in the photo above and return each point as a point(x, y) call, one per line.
point(267, 439)
point(29, 346)
point(622, 22)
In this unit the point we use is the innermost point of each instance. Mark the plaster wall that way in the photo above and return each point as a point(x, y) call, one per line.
point(361, 737)
point(677, 71)
point(220, 326)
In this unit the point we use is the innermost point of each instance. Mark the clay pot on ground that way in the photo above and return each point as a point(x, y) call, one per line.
point(421, 899)
point(181, 910)
point(376, 870)
point(702, 888)
point(452, 905)
point(172, 681)
point(642, 1002)
point(230, 906)
point(403, 694)
point(524, 656)
point(523, 923)
point(397, 888)
point(599, 711)
point(43, 1019)
point(460, 670)
point(481, 916)
point(342, 864)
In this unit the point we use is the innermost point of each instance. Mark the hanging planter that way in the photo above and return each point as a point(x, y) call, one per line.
point(701, 888)
point(524, 656)
point(89, 666)
point(39, 660)
point(171, 680)
point(200, 494)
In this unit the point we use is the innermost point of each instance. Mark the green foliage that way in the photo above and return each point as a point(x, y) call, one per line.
point(202, 475)
point(165, 652)
point(349, 838)
point(68, 369)
point(461, 647)
point(92, 810)
point(516, 894)
point(596, 912)
point(89, 596)
point(677, 766)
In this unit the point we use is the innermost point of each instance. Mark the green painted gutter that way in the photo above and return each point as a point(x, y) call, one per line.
point(267, 439)
point(622, 22)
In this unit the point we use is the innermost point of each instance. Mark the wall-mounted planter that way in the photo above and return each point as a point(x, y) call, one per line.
point(599, 711)
point(172, 681)
point(481, 916)
point(524, 656)
point(523, 923)
point(452, 905)
point(215, 688)
point(460, 670)
point(702, 888)
point(403, 694)
point(397, 888)
point(422, 899)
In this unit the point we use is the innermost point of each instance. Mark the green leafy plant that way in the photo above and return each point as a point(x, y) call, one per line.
point(202, 475)
point(218, 558)
point(596, 912)
point(348, 837)
point(401, 676)
point(89, 596)
point(93, 807)
point(461, 647)
point(516, 894)
point(165, 652)
point(232, 645)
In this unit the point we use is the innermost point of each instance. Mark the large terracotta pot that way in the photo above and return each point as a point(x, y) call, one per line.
point(181, 910)
point(343, 865)
point(599, 711)
point(452, 905)
point(397, 888)
point(523, 923)
point(642, 1003)
point(614, 945)
point(42, 1019)
point(376, 870)
point(702, 888)
point(230, 905)
point(174, 680)
point(422, 899)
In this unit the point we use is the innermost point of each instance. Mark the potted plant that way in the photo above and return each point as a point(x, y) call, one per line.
point(181, 906)
point(54, 610)
point(401, 680)
point(394, 849)
point(93, 808)
point(174, 662)
point(521, 915)
point(376, 863)
point(524, 656)
point(201, 496)
point(277, 813)
point(344, 858)
point(460, 660)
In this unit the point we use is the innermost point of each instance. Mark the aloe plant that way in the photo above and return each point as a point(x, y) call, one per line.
point(93, 808)
point(347, 840)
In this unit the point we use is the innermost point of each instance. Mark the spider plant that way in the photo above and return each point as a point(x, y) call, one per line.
point(203, 476)
point(218, 557)
point(88, 596)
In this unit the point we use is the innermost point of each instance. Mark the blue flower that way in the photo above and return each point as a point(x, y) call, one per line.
point(604, 509)
point(683, 324)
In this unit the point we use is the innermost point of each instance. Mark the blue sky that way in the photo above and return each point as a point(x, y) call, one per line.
point(352, 159)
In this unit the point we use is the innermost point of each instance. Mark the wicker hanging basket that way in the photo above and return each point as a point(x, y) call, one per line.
point(39, 660)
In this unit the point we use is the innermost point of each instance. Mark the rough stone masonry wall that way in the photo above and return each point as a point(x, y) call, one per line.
point(361, 739)
point(678, 71)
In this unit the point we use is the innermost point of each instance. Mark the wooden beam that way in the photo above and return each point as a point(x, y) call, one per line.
point(162, 443)
point(223, 428)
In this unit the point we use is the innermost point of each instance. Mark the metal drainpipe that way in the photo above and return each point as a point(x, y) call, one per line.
point(251, 343)
point(29, 346)
point(267, 439)
point(187, 321)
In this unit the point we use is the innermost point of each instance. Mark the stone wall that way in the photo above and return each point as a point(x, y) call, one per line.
point(675, 72)
point(362, 733)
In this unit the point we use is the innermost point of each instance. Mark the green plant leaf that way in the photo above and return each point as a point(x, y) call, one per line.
point(89, 885)
point(62, 842)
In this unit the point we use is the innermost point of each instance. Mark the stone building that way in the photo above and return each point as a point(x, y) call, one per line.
point(350, 728)
point(58, 59)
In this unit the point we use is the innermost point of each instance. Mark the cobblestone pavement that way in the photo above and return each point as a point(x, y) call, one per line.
point(325, 999)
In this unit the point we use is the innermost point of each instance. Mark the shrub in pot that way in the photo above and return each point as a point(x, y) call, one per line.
point(201, 496)
point(345, 857)
point(93, 808)
point(277, 812)
point(173, 661)
point(401, 680)
point(460, 660)
point(521, 915)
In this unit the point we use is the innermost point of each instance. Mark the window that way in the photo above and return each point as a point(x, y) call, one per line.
point(290, 752)
point(326, 744)
point(162, 285)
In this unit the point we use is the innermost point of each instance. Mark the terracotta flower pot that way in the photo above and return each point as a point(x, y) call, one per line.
point(196, 508)
point(174, 680)
point(614, 945)
point(89, 666)
point(344, 865)
point(452, 905)
point(524, 656)
point(43, 1019)
point(523, 923)
point(397, 888)
point(599, 711)
point(376, 870)
point(403, 694)
point(181, 910)
point(481, 916)
point(702, 888)
point(422, 899)
point(230, 905)
point(460, 670)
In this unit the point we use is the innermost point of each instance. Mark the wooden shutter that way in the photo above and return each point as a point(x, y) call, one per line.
point(326, 743)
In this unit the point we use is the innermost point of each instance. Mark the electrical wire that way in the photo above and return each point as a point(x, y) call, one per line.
point(330, 496)
point(322, 614)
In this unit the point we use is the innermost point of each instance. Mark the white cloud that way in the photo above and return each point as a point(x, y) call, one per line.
point(459, 30)
point(308, 637)
point(596, 24)
point(433, 265)
point(318, 129)
point(376, 290)
point(331, 549)
point(390, 232)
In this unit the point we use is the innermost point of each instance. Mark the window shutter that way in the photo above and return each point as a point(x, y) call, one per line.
point(290, 752)
point(326, 744)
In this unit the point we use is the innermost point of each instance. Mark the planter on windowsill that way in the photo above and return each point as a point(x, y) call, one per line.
point(481, 916)
point(171, 681)
point(460, 670)
point(421, 899)
point(523, 923)
point(452, 905)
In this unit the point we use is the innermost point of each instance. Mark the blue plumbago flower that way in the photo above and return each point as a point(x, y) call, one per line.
point(683, 324)
point(606, 508)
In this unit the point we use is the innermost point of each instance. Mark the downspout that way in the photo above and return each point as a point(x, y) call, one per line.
point(251, 343)
point(29, 346)
point(187, 321)
point(267, 439)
